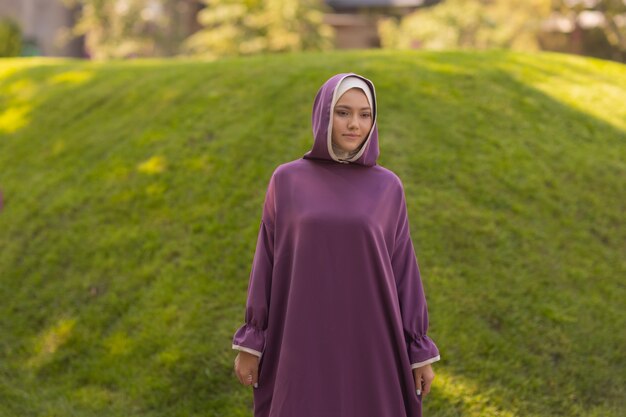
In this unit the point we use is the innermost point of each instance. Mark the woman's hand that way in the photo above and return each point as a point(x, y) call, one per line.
point(247, 368)
point(424, 376)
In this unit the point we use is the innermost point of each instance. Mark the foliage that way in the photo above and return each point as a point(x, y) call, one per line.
point(476, 24)
point(237, 27)
point(10, 38)
point(482, 24)
point(131, 28)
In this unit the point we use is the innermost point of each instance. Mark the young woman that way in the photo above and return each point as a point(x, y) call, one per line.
point(336, 315)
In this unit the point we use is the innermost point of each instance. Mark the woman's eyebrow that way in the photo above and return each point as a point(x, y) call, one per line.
point(348, 107)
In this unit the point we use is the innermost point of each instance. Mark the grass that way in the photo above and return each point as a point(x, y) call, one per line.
point(132, 198)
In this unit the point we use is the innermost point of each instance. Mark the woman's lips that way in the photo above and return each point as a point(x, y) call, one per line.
point(352, 136)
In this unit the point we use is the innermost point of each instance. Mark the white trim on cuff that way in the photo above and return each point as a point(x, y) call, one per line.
point(245, 349)
point(426, 362)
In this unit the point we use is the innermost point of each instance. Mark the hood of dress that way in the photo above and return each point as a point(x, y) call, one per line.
point(321, 123)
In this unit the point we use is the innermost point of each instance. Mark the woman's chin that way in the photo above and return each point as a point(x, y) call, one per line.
point(350, 146)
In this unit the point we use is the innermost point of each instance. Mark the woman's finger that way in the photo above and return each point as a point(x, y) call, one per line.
point(417, 374)
point(255, 377)
point(426, 387)
point(428, 380)
point(247, 377)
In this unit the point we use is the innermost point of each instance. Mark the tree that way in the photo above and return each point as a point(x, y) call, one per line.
point(484, 24)
point(10, 43)
point(127, 28)
point(476, 24)
point(244, 27)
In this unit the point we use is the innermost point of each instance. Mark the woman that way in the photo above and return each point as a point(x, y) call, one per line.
point(336, 315)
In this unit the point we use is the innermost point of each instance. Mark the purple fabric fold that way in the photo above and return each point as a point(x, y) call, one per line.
point(411, 296)
point(251, 335)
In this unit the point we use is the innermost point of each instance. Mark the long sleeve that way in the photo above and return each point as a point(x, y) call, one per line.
point(250, 337)
point(421, 349)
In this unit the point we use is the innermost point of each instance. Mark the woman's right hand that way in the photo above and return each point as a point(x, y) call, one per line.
point(247, 368)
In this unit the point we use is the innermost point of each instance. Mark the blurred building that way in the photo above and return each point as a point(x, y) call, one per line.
point(356, 21)
point(44, 26)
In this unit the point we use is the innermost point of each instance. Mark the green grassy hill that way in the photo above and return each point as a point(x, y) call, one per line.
point(132, 198)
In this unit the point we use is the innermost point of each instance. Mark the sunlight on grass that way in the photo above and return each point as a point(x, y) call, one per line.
point(24, 89)
point(575, 82)
point(7, 70)
point(466, 395)
point(51, 340)
point(19, 95)
point(94, 397)
point(154, 165)
point(14, 118)
point(71, 77)
point(443, 68)
point(118, 344)
point(579, 97)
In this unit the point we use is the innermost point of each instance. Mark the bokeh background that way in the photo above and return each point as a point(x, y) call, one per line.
point(137, 138)
point(101, 29)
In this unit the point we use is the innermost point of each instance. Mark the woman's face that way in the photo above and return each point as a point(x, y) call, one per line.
point(352, 120)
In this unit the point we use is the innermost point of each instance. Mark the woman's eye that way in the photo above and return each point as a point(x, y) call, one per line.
point(366, 115)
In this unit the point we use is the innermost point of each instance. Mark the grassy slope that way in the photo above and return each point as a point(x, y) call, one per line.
point(132, 202)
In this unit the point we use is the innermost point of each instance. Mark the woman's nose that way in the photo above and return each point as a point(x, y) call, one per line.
point(353, 122)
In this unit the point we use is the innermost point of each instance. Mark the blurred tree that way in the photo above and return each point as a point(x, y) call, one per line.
point(594, 27)
point(615, 29)
point(10, 39)
point(130, 28)
point(476, 24)
point(243, 27)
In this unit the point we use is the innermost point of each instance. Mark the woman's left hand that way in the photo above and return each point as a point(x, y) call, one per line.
point(424, 376)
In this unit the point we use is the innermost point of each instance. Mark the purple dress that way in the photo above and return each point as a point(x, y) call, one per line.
point(336, 309)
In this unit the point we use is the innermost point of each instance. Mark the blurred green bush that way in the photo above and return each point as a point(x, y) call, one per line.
point(10, 38)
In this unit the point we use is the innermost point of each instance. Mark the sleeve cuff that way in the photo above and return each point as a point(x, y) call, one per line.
point(245, 349)
point(426, 362)
point(249, 339)
point(421, 349)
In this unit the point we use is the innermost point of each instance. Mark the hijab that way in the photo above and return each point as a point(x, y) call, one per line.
point(345, 85)
point(321, 121)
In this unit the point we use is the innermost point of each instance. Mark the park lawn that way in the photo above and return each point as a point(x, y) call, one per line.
point(132, 199)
